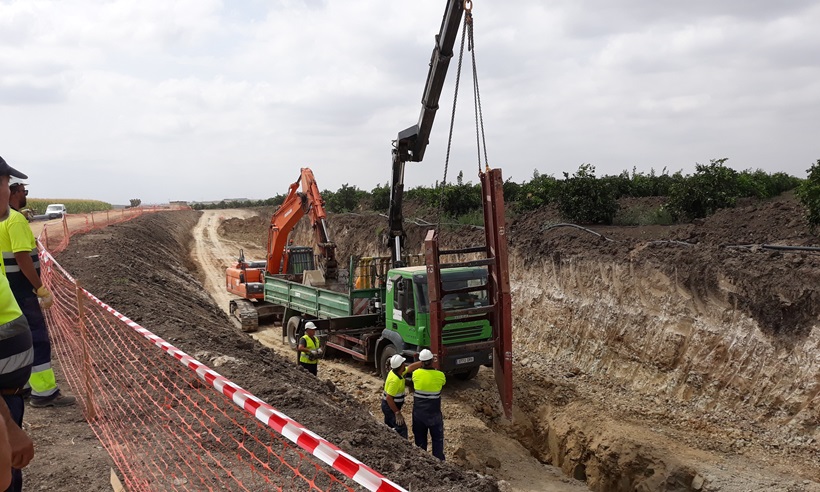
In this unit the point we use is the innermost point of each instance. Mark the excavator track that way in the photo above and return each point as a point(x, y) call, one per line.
point(244, 311)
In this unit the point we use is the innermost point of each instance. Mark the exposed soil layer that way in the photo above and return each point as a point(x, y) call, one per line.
point(163, 294)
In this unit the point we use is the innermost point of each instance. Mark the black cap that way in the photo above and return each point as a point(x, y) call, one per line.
point(6, 170)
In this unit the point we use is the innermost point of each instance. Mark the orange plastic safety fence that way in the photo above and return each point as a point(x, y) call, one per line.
point(169, 422)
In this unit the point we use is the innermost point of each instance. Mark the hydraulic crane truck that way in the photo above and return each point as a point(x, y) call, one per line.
point(401, 303)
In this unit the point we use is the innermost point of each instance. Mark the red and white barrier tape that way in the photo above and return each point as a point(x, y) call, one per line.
point(263, 412)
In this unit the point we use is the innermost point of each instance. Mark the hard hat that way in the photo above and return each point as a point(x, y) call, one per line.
point(310, 326)
point(425, 355)
point(14, 180)
point(396, 361)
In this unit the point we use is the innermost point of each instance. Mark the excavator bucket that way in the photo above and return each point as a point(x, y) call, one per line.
point(498, 309)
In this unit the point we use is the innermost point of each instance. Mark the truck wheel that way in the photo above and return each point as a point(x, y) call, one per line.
point(293, 331)
point(468, 374)
point(388, 351)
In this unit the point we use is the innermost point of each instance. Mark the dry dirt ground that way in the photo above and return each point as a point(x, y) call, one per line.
point(653, 358)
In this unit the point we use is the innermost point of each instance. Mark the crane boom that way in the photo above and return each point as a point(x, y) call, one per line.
point(412, 142)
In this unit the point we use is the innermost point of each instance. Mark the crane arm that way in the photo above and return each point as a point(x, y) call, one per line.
point(411, 143)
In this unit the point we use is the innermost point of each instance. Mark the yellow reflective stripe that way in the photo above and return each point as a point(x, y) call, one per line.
point(43, 383)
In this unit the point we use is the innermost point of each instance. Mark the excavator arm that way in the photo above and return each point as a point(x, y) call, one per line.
point(309, 201)
point(412, 142)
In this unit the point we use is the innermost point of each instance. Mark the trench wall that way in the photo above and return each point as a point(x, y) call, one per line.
point(641, 327)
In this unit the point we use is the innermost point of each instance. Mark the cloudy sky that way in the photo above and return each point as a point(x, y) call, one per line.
point(207, 99)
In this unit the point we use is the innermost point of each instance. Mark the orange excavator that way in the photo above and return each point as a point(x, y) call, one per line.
point(246, 279)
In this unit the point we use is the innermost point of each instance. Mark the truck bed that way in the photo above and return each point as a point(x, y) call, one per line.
point(330, 301)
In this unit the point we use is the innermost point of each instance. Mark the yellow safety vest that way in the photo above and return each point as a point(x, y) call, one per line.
point(427, 384)
point(311, 344)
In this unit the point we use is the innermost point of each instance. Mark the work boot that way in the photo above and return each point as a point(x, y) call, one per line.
point(55, 400)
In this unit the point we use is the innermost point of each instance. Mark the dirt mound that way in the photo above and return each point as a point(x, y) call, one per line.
point(143, 269)
point(777, 289)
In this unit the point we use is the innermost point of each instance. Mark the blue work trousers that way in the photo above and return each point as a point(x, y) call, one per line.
point(16, 406)
point(390, 419)
point(433, 422)
point(40, 340)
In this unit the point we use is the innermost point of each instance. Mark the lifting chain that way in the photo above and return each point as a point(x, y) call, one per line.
point(466, 34)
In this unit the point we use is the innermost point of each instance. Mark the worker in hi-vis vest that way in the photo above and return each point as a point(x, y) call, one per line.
point(22, 268)
point(309, 349)
point(393, 397)
point(427, 384)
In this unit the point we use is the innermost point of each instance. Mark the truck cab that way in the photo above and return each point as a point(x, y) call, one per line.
point(407, 315)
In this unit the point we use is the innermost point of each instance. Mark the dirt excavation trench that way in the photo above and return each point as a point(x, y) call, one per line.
point(659, 359)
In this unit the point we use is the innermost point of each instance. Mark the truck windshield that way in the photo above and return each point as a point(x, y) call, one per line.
point(459, 280)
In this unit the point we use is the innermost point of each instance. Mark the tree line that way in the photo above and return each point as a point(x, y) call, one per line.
point(583, 197)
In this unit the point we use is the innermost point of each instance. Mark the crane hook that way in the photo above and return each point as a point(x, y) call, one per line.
point(468, 6)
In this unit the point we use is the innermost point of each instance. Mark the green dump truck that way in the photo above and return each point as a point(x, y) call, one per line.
point(377, 312)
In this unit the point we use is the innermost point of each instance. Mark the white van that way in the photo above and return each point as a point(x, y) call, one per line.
point(55, 211)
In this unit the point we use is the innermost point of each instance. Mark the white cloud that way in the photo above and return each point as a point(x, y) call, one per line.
point(190, 99)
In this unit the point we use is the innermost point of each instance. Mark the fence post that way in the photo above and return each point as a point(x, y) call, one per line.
point(107, 218)
point(93, 225)
point(89, 395)
point(65, 229)
point(45, 233)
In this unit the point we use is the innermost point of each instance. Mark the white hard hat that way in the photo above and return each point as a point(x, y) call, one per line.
point(396, 361)
point(425, 355)
point(14, 180)
point(310, 326)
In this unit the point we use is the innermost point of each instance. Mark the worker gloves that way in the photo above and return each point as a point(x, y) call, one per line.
point(45, 297)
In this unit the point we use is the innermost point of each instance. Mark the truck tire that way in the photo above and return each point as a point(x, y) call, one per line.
point(388, 351)
point(293, 331)
point(468, 374)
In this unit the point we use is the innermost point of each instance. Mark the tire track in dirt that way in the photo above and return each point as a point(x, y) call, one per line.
point(214, 255)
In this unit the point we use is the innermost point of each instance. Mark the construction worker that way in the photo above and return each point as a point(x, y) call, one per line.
point(427, 384)
point(309, 349)
point(393, 397)
point(22, 268)
point(16, 356)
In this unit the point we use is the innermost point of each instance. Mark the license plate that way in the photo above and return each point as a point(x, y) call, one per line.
point(464, 360)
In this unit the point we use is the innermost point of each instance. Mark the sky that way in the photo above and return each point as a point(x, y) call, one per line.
point(202, 100)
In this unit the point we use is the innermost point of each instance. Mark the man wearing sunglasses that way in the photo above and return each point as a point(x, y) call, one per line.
point(22, 267)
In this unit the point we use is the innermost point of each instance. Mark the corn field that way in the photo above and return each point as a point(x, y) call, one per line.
point(72, 205)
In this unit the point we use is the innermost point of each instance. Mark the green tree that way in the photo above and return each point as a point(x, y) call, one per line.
point(539, 191)
point(584, 198)
point(809, 193)
point(345, 199)
point(380, 198)
point(712, 187)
